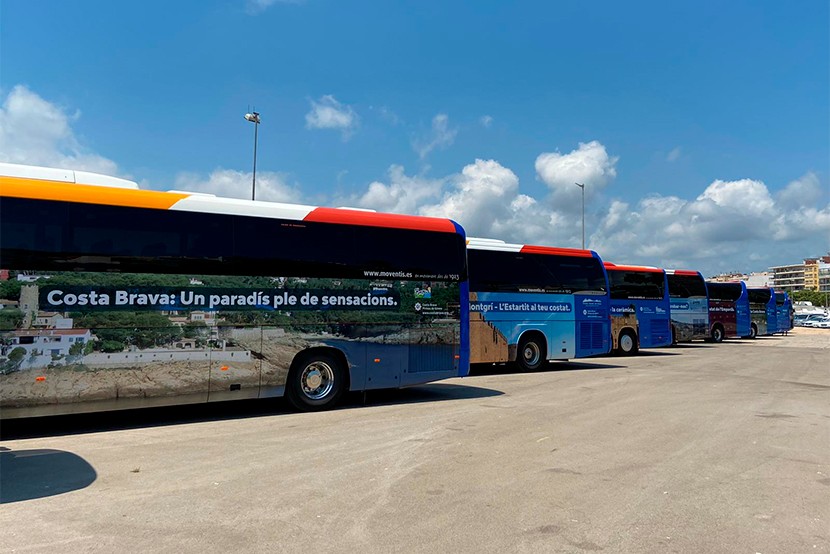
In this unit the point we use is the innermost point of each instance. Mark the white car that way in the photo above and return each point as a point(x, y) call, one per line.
point(821, 323)
point(811, 320)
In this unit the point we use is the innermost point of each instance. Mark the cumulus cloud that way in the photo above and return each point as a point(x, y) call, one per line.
point(328, 113)
point(238, 184)
point(403, 194)
point(34, 131)
point(589, 164)
point(730, 225)
point(804, 192)
point(441, 136)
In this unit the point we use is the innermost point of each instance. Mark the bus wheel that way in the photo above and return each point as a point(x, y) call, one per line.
point(531, 352)
point(753, 331)
point(717, 333)
point(316, 382)
point(628, 343)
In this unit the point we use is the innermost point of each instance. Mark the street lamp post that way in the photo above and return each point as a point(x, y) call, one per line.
point(253, 117)
point(582, 186)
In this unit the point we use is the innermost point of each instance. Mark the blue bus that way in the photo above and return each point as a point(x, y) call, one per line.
point(531, 304)
point(127, 298)
point(640, 308)
point(783, 312)
point(762, 309)
point(729, 312)
point(689, 305)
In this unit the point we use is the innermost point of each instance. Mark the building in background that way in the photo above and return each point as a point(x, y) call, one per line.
point(758, 279)
point(812, 274)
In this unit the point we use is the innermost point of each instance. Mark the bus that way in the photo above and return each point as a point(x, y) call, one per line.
point(531, 304)
point(729, 315)
point(689, 305)
point(783, 312)
point(762, 311)
point(118, 297)
point(640, 308)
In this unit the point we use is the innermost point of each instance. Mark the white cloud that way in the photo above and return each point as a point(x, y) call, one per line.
point(589, 164)
point(804, 192)
point(328, 113)
point(239, 184)
point(730, 225)
point(403, 194)
point(486, 121)
point(442, 136)
point(34, 131)
point(485, 199)
point(674, 155)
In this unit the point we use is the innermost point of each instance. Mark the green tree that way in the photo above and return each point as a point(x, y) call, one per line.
point(813, 296)
point(10, 319)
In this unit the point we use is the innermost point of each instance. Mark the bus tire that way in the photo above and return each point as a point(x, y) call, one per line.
point(532, 352)
point(753, 331)
point(628, 343)
point(316, 381)
point(717, 334)
point(673, 336)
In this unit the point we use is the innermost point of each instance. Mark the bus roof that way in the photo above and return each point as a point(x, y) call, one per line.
point(688, 272)
point(17, 181)
point(641, 268)
point(496, 244)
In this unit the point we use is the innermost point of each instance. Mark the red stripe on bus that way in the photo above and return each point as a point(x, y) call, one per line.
point(685, 272)
point(373, 219)
point(553, 251)
point(615, 267)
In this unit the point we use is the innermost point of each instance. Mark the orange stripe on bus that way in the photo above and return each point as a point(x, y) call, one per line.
point(17, 187)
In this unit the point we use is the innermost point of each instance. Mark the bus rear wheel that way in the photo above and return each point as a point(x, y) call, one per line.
point(717, 333)
point(753, 331)
point(316, 382)
point(628, 343)
point(531, 353)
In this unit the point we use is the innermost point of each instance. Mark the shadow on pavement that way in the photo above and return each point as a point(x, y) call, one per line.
point(29, 474)
point(73, 424)
point(421, 393)
point(477, 370)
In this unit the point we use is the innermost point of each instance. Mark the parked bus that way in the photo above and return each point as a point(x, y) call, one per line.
point(728, 310)
point(530, 304)
point(129, 297)
point(640, 308)
point(762, 310)
point(689, 305)
point(783, 312)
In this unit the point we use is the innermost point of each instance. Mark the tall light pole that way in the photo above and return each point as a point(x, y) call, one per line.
point(253, 117)
point(582, 186)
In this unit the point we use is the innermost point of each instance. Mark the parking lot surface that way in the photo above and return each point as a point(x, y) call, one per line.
point(695, 448)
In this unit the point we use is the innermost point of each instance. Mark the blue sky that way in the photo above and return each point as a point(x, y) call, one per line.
point(699, 128)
